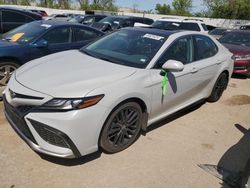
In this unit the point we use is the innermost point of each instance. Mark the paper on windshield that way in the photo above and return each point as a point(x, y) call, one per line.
point(17, 36)
point(46, 25)
point(154, 37)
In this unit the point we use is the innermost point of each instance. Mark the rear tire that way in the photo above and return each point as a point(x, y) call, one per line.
point(122, 128)
point(219, 87)
point(6, 70)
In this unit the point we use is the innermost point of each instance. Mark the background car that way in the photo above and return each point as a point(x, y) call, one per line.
point(87, 19)
point(167, 24)
point(245, 27)
point(218, 32)
point(238, 42)
point(193, 25)
point(43, 13)
point(61, 17)
point(116, 87)
point(111, 23)
point(40, 38)
point(11, 18)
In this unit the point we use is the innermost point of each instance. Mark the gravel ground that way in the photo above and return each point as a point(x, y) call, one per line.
point(168, 156)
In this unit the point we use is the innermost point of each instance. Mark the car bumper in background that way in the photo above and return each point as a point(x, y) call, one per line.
point(242, 67)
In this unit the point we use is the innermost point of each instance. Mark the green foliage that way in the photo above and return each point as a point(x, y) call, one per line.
point(230, 9)
point(182, 7)
point(163, 9)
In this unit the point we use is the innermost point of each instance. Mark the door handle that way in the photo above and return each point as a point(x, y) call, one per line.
point(194, 70)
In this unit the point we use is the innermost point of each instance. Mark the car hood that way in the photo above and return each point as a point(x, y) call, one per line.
point(70, 74)
point(237, 49)
point(4, 44)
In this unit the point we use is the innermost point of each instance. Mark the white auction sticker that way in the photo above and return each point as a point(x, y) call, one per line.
point(46, 25)
point(154, 37)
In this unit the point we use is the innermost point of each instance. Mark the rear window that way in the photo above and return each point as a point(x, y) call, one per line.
point(189, 26)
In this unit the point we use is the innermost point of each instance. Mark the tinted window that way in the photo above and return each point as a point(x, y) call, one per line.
point(181, 50)
point(83, 34)
point(166, 25)
point(148, 21)
point(58, 35)
point(189, 26)
point(127, 23)
point(9, 16)
point(127, 47)
point(98, 18)
point(217, 31)
point(204, 48)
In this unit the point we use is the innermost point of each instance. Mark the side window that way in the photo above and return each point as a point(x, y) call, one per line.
point(189, 26)
point(204, 48)
point(181, 50)
point(83, 35)
point(98, 18)
point(10, 16)
point(204, 27)
point(57, 36)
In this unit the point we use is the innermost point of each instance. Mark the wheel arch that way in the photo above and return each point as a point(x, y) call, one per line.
point(12, 59)
point(144, 112)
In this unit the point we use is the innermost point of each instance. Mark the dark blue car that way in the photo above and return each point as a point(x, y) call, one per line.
point(40, 38)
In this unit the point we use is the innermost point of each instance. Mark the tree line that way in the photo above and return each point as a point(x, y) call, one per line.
point(230, 9)
point(107, 5)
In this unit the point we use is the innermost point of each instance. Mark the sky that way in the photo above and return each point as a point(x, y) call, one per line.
point(150, 4)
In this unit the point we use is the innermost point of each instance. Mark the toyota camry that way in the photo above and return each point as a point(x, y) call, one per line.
point(102, 96)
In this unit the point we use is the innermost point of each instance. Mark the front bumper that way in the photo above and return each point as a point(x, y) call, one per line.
point(242, 67)
point(61, 134)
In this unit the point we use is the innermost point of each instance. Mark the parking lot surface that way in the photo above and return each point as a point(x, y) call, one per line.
point(168, 156)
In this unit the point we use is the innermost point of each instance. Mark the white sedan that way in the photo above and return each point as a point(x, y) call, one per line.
point(75, 102)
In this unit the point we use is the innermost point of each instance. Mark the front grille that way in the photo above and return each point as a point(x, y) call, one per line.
point(49, 134)
point(18, 119)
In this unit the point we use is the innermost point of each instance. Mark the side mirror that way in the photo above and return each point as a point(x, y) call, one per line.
point(173, 65)
point(41, 44)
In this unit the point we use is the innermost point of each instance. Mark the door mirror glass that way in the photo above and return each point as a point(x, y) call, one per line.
point(173, 65)
point(41, 44)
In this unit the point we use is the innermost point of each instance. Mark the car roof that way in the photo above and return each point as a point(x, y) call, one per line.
point(170, 20)
point(56, 23)
point(127, 17)
point(25, 11)
point(155, 31)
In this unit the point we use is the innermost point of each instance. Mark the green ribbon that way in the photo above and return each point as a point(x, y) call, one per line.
point(164, 83)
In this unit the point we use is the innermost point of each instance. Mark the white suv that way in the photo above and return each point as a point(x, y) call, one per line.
point(167, 23)
point(193, 25)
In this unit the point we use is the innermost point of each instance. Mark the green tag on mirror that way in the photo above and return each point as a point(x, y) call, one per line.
point(164, 83)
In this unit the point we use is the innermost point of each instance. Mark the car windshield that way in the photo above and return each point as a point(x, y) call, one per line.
point(127, 47)
point(25, 33)
point(77, 19)
point(111, 20)
point(238, 38)
point(166, 25)
point(217, 31)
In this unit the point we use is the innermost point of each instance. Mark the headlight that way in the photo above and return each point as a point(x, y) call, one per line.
point(242, 57)
point(71, 104)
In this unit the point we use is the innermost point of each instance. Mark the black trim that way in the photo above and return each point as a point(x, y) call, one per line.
point(66, 138)
point(18, 95)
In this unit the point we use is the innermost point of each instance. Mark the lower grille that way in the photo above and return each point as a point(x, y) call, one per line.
point(18, 120)
point(49, 134)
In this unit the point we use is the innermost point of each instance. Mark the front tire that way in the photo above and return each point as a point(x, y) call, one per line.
point(219, 87)
point(6, 70)
point(122, 128)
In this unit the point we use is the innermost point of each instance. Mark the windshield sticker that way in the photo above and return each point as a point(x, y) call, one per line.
point(16, 37)
point(154, 37)
point(143, 60)
point(46, 25)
